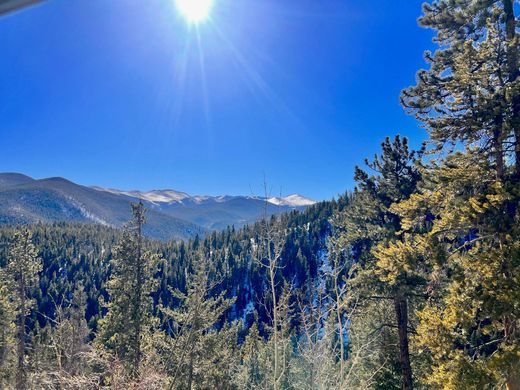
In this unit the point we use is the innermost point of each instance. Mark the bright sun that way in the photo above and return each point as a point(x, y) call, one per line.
point(195, 11)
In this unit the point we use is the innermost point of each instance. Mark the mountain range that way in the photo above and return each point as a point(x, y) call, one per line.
point(171, 214)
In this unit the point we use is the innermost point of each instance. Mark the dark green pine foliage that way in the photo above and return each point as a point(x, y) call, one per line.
point(73, 253)
point(69, 253)
point(19, 277)
point(243, 278)
point(82, 252)
point(126, 328)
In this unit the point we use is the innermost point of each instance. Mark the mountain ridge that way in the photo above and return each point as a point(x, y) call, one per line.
point(172, 196)
point(171, 214)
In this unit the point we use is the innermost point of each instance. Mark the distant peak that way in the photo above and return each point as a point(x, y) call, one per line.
point(294, 200)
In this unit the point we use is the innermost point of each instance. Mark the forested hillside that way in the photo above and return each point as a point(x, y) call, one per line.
point(411, 280)
point(77, 259)
point(72, 253)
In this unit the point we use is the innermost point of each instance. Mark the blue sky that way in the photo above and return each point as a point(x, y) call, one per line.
point(124, 94)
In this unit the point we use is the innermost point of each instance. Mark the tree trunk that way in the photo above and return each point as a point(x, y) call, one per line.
point(401, 313)
point(190, 374)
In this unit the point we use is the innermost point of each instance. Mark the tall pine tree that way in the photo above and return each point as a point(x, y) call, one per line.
point(20, 276)
point(126, 329)
point(371, 233)
point(470, 97)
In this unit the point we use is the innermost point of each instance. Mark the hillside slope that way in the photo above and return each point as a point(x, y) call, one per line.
point(60, 200)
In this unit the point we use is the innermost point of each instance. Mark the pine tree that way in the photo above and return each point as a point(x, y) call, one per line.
point(253, 369)
point(471, 91)
point(126, 329)
point(470, 96)
point(474, 284)
point(371, 232)
point(71, 334)
point(6, 334)
point(197, 349)
point(19, 277)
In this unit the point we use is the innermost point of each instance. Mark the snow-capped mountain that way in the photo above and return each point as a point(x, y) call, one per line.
point(171, 214)
point(214, 212)
point(294, 200)
point(173, 196)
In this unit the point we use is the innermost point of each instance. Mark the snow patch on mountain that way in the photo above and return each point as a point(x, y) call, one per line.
point(154, 196)
point(86, 213)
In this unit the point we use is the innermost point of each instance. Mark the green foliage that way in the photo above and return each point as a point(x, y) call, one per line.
point(253, 370)
point(196, 352)
point(471, 91)
point(465, 216)
point(471, 245)
point(126, 329)
point(19, 276)
point(7, 330)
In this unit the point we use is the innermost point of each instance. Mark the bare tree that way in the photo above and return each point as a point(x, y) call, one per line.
point(268, 253)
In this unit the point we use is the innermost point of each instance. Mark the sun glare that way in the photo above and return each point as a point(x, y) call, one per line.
point(195, 11)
